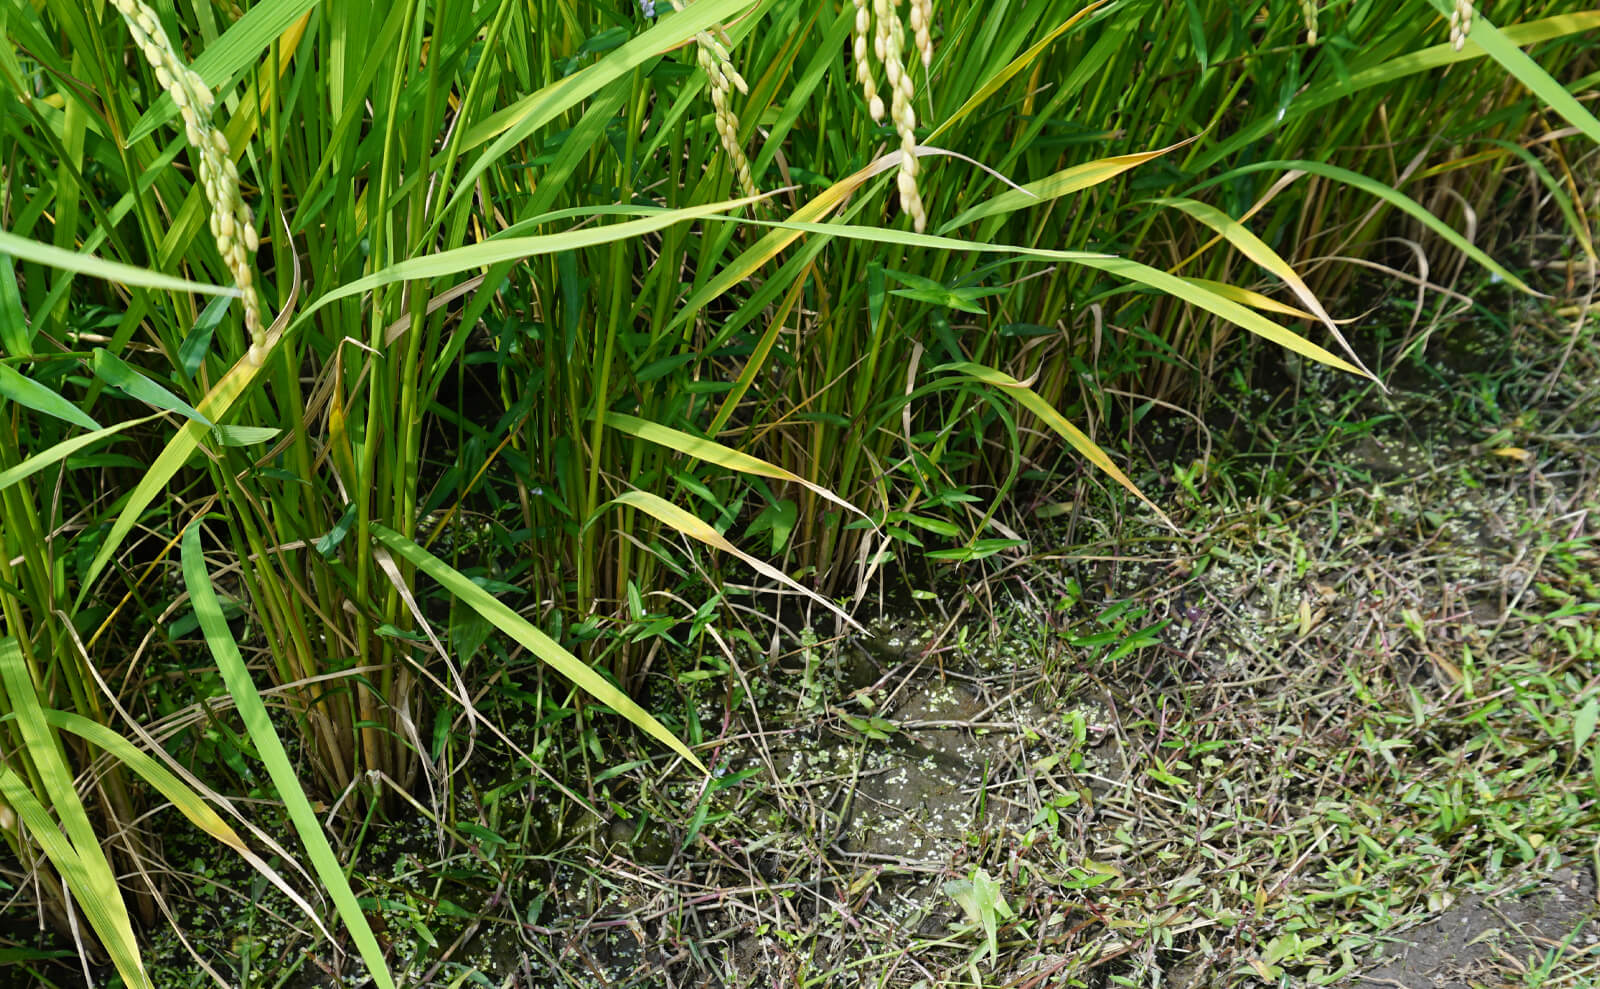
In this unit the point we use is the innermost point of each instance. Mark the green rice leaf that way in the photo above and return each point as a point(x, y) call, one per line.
point(1558, 194)
point(235, 50)
point(245, 435)
point(1409, 64)
point(61, 451)
point(273, 756)
point(713, 452)
point(1256, 250)
point(172, 457)
point(110, 368)
point(1062, 183)
point(1035, 403)
point(192, 352)
point(111, 271)
point(1252, 247)
point(993, 83)
point(699, 530)
point(1249, 297)
point(72, 846)
point(1192, 292)
point(515, 123)
point(1515, 61)
point(547, 649)
point(189, 803)
point(16, 336)
point(30, 394)
point(763, 348)
point(489, 252)
point(108, 919)
point(771, 245)
point(152, 772)
point(1395, 198)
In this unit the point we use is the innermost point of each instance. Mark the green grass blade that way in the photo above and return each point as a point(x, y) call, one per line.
point(713, 452)
point(1062, 183)
point(113, 371)
point(547, 649)
point(515, 123)
point(489, 252)
point(1033, 402)
point(233, 51)
point(61, 451)
point(111, 271)
point(1192, 292)
point(698, 529)
point(71, 846)
point(273, 756)
point(30, 394)
point(1395, 198)
point(1515, 61)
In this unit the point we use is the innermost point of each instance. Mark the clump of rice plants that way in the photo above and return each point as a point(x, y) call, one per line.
point(709, 337)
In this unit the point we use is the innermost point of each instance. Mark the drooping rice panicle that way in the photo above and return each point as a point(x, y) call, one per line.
point(882, 21)
point(232, 225)
point(922, 29)
point(713, 58)
point(902, 91)
point(869, 88)
point(1460, 23)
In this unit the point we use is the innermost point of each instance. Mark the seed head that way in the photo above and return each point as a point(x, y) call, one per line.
point(921, 27)
point(231, 223)
point(1460, 23)
point(712, 57)
point(882, 20)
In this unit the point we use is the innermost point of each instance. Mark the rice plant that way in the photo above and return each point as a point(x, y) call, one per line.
point(640, 289)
